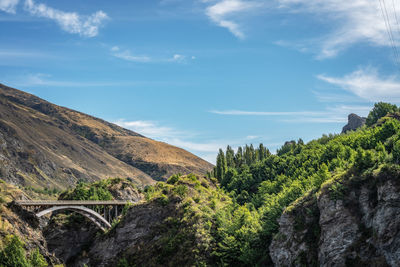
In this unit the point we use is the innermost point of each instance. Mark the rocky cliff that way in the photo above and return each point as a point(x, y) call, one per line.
point(354, 122)
point(352, 221)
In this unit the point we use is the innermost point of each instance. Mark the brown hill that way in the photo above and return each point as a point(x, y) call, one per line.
point(45, 145)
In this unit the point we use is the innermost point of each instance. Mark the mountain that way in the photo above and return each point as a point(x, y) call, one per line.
point(43, 145)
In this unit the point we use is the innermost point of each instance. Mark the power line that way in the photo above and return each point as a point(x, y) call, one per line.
point(395, 16)
point(389, 31)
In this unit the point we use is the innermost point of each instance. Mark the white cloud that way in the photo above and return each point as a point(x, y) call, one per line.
point(355, 21)
point(252, 137)
point(70, 22)
point(264, 113)
point(148, 128)
point(8, 6)
point(206, 149)
point(42, 79)
point(115, 48)
point(335, 114)
point(223, 12)
point(128, 56)
point(178, 58)
point(13, 53)
point(367, 84)
point(195, 146)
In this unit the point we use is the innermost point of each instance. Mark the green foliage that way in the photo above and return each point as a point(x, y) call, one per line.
point(396, 152)
point(13, 254)
point(233, 225)
point(266, 187)
point(85, 191)
point(173, 179)
point(337, 191)
point(380, 110)
point(45, 191)
point(123, 263)
point(37, 259)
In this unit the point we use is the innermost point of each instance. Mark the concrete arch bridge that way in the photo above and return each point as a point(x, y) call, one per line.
point(101, 213)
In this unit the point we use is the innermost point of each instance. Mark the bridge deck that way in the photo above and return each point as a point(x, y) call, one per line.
point(72, 202)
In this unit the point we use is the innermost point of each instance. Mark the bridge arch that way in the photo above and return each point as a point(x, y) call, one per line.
point(95, 217)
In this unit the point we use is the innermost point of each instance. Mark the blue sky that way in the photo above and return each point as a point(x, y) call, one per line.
point(202, 74)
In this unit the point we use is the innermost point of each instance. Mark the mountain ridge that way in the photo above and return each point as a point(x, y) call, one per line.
point(41, 141)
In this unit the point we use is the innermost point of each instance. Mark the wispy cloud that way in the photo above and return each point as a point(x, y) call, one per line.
point(42, 79)
point(355, 21)
point(127, 55)
point(335, 114)
point(223, 13)
point(14, 53)
point(149, 128)
point(178, 58)
point(71, 22)
point(183, 139)
point(264, 113)
point(193, 142)
point(9, 6)
point(367, 84)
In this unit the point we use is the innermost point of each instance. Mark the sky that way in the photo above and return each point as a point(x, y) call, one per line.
point(204, 74)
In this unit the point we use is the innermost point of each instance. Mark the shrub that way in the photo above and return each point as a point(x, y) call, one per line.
point(37, 259)
point(173, 179)
point(13, 255)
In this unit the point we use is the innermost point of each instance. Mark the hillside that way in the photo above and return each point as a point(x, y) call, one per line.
point(45, 145)
point(330, 202)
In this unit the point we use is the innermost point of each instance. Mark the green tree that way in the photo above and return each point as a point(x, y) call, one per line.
point(396, 152)
point(239, 157)
point(221, 165)
point(13, 254)
point(37, 259)
point(230, 157)
point(380, 110)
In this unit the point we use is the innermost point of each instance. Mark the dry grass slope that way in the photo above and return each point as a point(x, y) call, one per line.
point(45, 145)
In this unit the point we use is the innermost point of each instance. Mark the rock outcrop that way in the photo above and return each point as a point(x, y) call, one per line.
point(353, 222)
point(354, 122)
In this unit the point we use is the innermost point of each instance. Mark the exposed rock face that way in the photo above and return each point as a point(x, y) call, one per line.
point(354, 122)
point(130, 236)
point(361, 227)
point(67, 240)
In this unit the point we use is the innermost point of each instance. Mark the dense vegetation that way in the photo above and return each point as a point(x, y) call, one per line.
point(263, 186)
point(13, 254)
point(100, 190)
point(230, 217)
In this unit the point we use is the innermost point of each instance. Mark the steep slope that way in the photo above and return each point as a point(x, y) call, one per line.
point(45, 145)
point(354, 224)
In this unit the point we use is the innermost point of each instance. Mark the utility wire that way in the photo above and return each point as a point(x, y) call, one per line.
point(389, 31)
point(395, 16)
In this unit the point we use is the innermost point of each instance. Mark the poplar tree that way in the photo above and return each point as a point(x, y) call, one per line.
point(221, 165)
point(230, 157)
